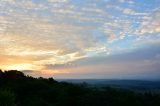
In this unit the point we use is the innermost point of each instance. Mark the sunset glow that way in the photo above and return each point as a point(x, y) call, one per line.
point(18, 67)
point(81, 38)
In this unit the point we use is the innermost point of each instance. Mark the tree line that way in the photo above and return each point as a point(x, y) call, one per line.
point(17, 89)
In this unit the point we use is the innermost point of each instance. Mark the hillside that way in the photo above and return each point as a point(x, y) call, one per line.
point(17, 89)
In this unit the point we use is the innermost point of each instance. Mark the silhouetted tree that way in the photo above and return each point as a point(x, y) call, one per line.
point(16, 89)
point(7, 98)
point(13, 74)
point(1, 72)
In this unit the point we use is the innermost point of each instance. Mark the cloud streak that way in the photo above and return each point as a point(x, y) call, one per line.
point(50, 32)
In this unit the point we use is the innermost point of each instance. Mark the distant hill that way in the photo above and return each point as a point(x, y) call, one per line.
point(138, 85)
point(17, 89)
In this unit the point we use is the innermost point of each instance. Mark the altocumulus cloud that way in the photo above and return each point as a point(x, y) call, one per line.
point(52, 33)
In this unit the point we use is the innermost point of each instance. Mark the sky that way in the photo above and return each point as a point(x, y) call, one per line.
point(81, 39)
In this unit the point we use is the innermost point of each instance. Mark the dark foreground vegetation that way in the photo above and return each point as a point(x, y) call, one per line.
point(16, 89)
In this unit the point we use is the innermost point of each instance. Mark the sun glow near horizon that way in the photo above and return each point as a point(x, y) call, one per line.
point(18, 67)
point(81, 38)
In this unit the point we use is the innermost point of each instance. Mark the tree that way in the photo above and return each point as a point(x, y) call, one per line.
point(7, 98)
point(1, 72)
point(13, 74)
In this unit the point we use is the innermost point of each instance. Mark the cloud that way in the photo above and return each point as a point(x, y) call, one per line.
point(53, 33)
point(29, 33)
point(128, 11)
point(57, 1)
point(139, 62)
point(152, 25)
point(137, 55)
